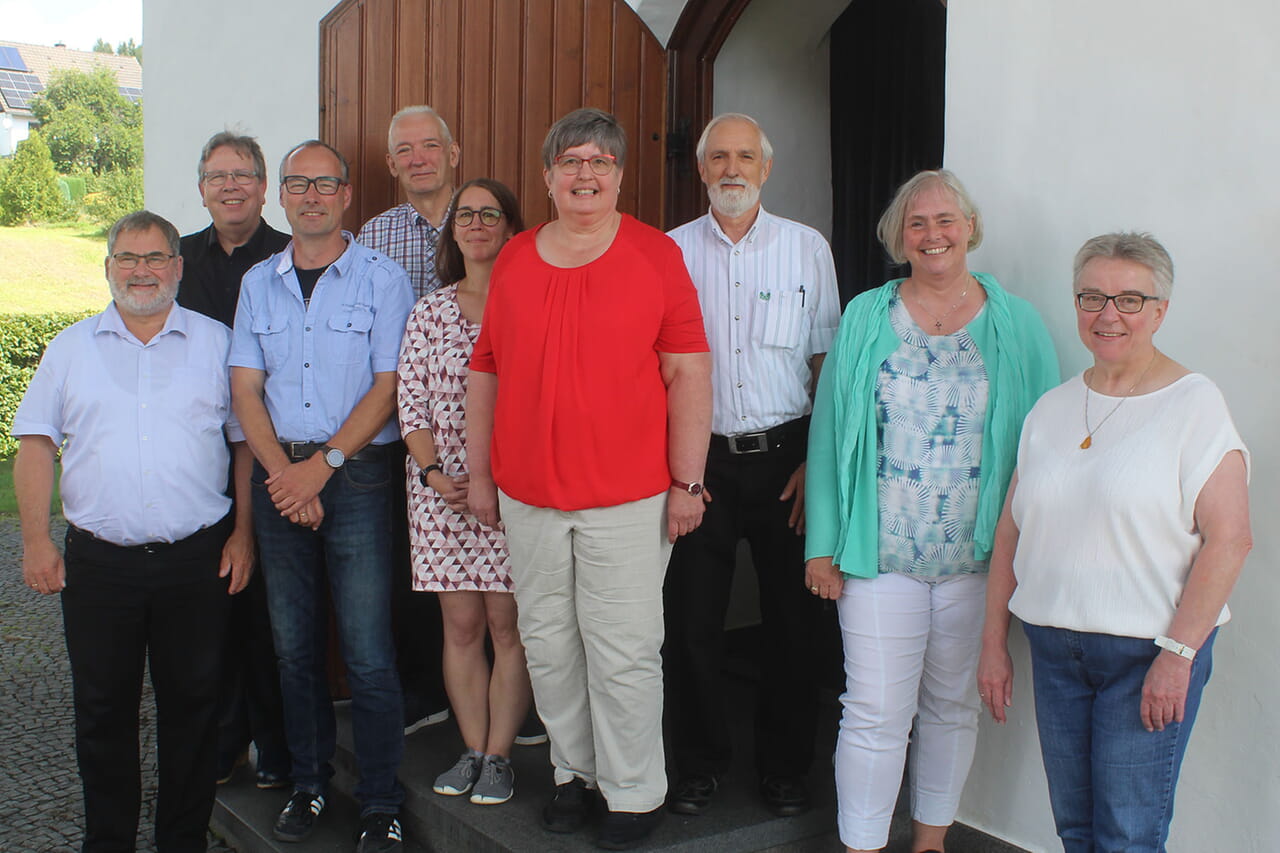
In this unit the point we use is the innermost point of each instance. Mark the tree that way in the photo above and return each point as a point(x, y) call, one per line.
point(29, 190)
point(88, 124)
point(128, 48)
point(102, 46)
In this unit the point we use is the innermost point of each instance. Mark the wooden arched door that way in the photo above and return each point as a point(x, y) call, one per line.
point(499, 72)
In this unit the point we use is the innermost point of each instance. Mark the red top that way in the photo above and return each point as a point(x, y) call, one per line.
point(581, 417)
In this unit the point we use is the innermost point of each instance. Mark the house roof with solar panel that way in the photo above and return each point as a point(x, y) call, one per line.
point(26, 68)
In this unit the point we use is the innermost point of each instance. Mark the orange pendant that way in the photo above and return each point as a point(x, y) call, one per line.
point(1087, 443)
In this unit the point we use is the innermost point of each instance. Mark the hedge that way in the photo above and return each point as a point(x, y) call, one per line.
point(23, 338)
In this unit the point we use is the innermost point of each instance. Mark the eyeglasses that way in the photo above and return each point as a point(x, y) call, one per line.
point(240, 177)
point(601, 164)
point(490, 216)
point(154, 261)
point(299, 184)
point(1126, 303)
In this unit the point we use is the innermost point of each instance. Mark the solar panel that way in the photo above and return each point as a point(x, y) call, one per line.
point(10, 59)
point(133, 93)
point(18, 89)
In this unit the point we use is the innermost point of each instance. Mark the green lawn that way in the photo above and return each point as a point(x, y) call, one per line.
point(52, 268)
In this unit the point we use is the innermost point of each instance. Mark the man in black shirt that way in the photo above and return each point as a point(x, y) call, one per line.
point(233, 186)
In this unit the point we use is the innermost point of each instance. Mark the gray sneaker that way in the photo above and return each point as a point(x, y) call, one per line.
point(461, 777)
point(496, 783)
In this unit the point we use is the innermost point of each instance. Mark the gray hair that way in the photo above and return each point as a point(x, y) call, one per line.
point(1137, 246)
point(144, 220)
point(418, 110)
point(316, 143)
point(895, 216)
point(766, 147)
point(580, 127)
point(246, 146)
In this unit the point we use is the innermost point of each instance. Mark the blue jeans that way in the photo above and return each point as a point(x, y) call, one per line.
point(1111, 782)
point(353, 549)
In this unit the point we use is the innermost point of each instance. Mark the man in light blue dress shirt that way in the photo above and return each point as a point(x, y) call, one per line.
point(313, 368)
point(137, 399)
point(767, 287)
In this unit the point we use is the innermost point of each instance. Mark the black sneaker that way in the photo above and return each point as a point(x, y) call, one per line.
point(624, 830)
point(786, 796)
point(379, 833)
point(567, 811)
point(693, 793)
point(298, 818)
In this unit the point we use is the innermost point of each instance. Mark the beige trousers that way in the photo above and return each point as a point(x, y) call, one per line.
point(588, 586)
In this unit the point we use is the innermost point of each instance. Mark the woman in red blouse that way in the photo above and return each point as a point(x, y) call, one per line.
point(588, 418)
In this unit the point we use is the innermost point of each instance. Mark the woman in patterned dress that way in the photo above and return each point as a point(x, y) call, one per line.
point(453, 555)
point(915, 427)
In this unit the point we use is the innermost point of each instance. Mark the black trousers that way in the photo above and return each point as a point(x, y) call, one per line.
point(745, 504)
point(164, 604)
point(249, 704)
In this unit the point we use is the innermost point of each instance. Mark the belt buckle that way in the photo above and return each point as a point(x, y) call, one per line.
point(296, 455)
point(755, 442)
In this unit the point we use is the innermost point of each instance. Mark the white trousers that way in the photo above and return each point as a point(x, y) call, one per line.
point(588, 587)
point(910, 648)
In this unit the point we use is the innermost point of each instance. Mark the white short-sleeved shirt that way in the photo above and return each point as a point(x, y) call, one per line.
point(144, 457)
point(1107, 535)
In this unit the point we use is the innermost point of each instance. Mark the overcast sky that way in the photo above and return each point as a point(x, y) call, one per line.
point(76, 23)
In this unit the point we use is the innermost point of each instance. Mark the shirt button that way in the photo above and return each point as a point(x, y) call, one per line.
point(737, 284)
point(737, 251)
point(306, 364)
point(144, 438)
point(739, 384)
point(738, 351)
point(744, 417)
point(737, 316)
point(308, 328)
point(144, 405)
point(306, 405)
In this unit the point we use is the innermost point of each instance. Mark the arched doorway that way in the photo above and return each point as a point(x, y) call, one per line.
point(500, 72)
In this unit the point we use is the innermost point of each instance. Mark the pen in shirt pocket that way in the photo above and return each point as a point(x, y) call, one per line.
point(802, 296)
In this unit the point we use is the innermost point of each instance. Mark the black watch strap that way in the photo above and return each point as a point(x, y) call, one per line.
point(425, 472)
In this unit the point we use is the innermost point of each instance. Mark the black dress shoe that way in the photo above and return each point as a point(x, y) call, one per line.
point(786, 796)
point(692, 794)
point(569, 808)
point(624, 830)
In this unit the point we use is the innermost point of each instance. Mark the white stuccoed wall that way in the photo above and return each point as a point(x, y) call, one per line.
point(1067, 120)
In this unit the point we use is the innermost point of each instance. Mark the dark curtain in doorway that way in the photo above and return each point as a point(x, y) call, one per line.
point(888, 81)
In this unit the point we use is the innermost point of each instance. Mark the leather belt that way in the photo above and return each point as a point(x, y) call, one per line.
point(774, 438)
point(297, 451)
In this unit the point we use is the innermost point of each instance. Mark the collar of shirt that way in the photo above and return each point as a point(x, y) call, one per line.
point(342, 265)
point(749, 237)
point(110, 322)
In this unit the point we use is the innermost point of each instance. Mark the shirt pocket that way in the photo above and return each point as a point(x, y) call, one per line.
point(784, 319)
point(351, 326)
point(274, 341)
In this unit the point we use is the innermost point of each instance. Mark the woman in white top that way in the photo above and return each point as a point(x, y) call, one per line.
point(1123, 533)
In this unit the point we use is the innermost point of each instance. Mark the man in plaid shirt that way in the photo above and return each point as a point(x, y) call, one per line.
point(421, 155)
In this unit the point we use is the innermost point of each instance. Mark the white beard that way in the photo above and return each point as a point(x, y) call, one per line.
point(732, 203)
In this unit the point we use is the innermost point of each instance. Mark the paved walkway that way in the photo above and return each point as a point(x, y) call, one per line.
point(40, 801)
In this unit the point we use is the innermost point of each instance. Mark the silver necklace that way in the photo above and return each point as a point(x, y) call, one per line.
point(1088, 439)
point(937, 321)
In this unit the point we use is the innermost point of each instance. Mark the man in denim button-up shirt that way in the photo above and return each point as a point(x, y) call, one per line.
point(313, 358)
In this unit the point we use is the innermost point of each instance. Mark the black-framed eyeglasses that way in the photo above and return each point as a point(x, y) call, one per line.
point(1126, 303)
point(239, 177)
point(154, 261)
point(299, 184)
point(601, 164)
point(490, 216)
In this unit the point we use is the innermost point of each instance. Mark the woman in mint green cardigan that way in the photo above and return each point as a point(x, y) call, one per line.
point(912, 443)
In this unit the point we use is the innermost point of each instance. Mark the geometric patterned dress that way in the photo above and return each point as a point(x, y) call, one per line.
point(450, 550)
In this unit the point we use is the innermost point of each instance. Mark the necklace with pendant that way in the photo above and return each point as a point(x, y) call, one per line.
point(937, 321)
point(1088, 439)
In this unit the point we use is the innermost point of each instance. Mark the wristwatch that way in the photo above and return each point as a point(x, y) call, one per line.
point(422, 474)
point(1180, 649)
point(694, 489)
point(333, 457)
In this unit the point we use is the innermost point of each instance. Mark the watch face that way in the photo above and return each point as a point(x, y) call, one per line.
point(334, 457)
point(695, 489)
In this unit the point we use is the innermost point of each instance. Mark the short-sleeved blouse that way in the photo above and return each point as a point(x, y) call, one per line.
point(931, 407)
point(450, 550)
point(581, 414)
point(1107, 535)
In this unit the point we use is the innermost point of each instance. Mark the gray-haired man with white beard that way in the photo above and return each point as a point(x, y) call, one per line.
point(767, 287)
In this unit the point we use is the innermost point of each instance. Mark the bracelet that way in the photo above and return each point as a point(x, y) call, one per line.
point(422, 475)
point(1180, 649)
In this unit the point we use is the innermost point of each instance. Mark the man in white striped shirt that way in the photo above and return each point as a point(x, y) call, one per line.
point(767, 287)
